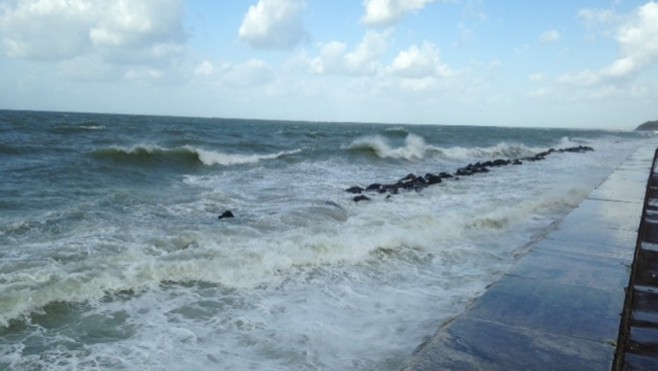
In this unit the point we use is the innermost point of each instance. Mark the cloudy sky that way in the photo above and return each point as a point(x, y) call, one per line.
point(540, 63)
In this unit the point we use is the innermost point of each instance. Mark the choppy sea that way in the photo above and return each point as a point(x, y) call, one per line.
point(112, 255)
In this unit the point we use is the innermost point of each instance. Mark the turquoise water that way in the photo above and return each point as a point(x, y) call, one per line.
point(112, 255)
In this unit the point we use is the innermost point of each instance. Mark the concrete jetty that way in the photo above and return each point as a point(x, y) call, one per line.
point(637, 345)
point(560, 308)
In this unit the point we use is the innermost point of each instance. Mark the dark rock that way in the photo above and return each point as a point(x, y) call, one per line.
point(432, 178)
point(578, 149)
point(373, 187)
point(412, 182)
point(417, 183)
point(226, 214)
point(391, 188)
point(464, 171)
point(409, 185)
point(501, 162)
point(355, 190)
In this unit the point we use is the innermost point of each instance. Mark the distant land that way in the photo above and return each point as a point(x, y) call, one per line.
point(649, 125)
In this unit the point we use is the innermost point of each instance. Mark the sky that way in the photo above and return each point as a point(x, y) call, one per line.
point(541, 63)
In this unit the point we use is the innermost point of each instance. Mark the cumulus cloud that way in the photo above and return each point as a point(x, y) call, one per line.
point(419, 62)
point(638, 44)
point(419, 69)
point(363, 59)
point(60, 30)
point(549, 36)
point(639, 39)
point(274, 24)
point(45, 30)
point(388, 12)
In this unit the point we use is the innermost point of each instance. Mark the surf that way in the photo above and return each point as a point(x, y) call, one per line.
point(149, 155)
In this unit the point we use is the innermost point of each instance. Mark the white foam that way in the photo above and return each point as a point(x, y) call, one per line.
point(414, 147)
point(219, 158)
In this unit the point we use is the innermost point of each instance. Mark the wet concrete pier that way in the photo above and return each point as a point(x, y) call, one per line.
point(560, 308)
point(638, 336)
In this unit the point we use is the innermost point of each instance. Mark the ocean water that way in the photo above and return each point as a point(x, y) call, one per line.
point(112, 256)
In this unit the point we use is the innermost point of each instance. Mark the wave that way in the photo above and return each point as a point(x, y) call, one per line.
point(185, 154)
point(414, 148)
point(500, 150)
point(397, 131)
point(74, 129)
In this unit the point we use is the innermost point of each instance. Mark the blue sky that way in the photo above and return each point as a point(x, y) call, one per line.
point(590, 64)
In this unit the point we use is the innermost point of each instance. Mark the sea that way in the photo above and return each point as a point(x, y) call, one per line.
point(113, 255)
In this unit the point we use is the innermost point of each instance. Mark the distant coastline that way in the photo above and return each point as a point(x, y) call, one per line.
point(649, 125)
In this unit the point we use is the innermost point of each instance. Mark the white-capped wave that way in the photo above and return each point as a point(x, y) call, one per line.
point(414, 148)
point(219, 158)
point(500, 150)
point(187, 153)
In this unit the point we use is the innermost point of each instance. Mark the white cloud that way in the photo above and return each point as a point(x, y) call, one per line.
point(127, 23)
point(549, 36)
point(419, 69)
point(419, 62)
point(60, 30)
point(388, 12)
point(363, 60)
point(274, 24)
point(639, 39)
point(45, 30)
point(596, 16)
point(638, 43)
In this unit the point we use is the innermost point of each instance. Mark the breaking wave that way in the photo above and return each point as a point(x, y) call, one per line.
point(414, 148)
point(500, 150)
point(141, 154)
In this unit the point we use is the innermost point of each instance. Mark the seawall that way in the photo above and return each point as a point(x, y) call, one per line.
point(560, 307)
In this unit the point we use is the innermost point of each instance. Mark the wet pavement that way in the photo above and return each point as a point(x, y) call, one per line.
point(638, 337)
point(560, 307)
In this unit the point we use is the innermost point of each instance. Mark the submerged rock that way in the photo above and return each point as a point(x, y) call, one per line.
point(226, 214)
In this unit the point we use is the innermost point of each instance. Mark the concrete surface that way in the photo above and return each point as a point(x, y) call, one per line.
point(560, 307)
